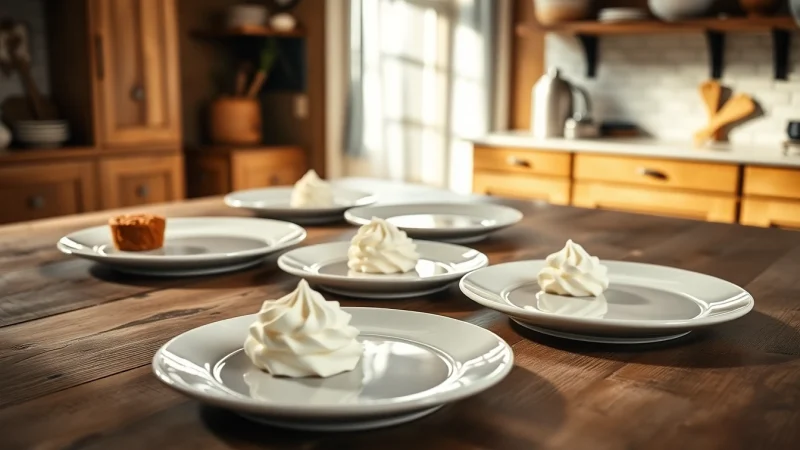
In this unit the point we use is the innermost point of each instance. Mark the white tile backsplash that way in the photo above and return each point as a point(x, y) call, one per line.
point(653, 81)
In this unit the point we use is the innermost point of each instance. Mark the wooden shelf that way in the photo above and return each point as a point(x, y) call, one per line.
point(726, 25)
point(715, 29)
point(248, 33)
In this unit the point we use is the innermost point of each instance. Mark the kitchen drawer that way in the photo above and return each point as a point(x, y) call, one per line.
point(521, 161)
point(723, 178)
point(701, 206)
point(771, 182)
point(768, 212)
point(526, 187)
point(274, 167)
point(141, 180)
point(36, 191)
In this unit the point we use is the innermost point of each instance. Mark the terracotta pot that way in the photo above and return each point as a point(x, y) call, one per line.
point(759, 7)
point(235, 121)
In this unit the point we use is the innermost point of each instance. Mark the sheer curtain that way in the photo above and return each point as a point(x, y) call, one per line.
point(419, 84)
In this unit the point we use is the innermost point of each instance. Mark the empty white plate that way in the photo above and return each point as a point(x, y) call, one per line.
point(325, 265)
point(451, 222)
point(413, 363)
point(274, 203)
point(192, 246)
point(644, 303)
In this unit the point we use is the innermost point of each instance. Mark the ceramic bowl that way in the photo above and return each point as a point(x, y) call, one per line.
point(673, 10)
point(551, 12)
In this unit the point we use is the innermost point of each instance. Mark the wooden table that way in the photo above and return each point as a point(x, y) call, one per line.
point(77, 341)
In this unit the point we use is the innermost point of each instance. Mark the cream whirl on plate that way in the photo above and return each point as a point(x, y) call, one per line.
point(301, 335)
point(380, 247)
point(573, 272)
point(311, 192)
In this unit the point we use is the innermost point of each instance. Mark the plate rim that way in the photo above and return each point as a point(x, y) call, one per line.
point(389, 279)
point(345, 410)
point(62, 246)
point(533, 316)
point(365, 199)
point(350, 217)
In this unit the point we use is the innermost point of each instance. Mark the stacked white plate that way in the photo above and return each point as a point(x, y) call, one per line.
point(41, 133)
point(413, 364)
point(643, 304)
point(192, 246)
point(622, 14)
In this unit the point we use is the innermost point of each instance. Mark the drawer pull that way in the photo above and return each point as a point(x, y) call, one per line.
point(36, 202)
point(652, 173)
point(514, 161)
point(142, 191)
point(137, 93)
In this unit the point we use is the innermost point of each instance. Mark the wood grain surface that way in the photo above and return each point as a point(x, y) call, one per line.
point(76, 341)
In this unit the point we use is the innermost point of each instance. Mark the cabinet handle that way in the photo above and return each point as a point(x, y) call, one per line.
point(36, 202)
point(514, 161)
point(142, 191)
point(652, 173)
point(98, 57)
point(137, 93)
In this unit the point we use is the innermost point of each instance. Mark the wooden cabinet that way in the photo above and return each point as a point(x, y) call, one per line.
point(771, 197)
point(532, 162)
point(140, 180)
point(550, 189)
point(220, 170)
point(136, 89)
point(36, 191)
point(656, 172)
point(522, 174)
point(691, 205)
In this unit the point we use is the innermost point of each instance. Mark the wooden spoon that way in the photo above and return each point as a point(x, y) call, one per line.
point(711, 92)
point(737, 108)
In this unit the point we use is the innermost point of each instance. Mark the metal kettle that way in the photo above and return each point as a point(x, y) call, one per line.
point(552, 105)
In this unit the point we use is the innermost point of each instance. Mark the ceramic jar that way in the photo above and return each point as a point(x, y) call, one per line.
point(551, 12)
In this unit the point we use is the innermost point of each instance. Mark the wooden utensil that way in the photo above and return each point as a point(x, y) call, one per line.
point(737, 108)
point(711, 92)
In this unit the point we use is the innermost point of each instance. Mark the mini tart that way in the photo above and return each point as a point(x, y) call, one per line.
point(138, 232)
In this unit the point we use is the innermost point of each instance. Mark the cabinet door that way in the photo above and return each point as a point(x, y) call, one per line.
point(136, 72)
point(207, 175)
point(691, 205)
point(771, 212)
point(141, 180)
point(36, 191)
point(524, 187)
point(273, 167)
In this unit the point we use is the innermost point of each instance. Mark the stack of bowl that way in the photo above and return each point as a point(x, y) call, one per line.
point(41, 133)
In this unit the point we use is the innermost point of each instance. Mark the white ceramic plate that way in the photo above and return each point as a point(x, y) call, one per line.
point(451, 222)
point(644, 303)
point(413, 364)
point(274, 203)
point(325, 265)
point(192, 246)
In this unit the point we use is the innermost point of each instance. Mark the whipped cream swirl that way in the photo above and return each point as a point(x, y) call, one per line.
point(573, 272)
point(380, 247)
point(311, 192)
point(301, 335)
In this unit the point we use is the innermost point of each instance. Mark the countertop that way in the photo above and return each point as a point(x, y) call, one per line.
point(77, 341)
point(722, 152)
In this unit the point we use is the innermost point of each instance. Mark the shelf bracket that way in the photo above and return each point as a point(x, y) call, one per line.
point(589, 44)
point(716, 51)
point(781, 46)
